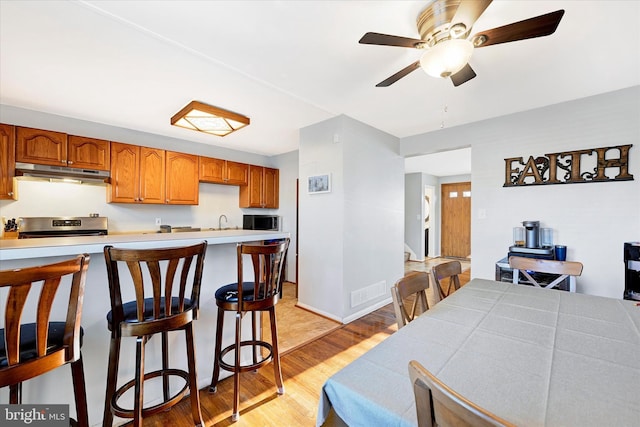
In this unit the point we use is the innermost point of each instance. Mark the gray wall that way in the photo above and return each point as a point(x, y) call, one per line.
point(351, 238)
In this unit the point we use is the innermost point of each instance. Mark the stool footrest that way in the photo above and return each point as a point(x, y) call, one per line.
point(256, 363)
point(173, 400)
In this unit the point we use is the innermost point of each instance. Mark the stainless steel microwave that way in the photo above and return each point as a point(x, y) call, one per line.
point(261, 222)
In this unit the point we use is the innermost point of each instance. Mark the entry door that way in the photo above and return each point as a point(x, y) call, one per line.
point(456, 220)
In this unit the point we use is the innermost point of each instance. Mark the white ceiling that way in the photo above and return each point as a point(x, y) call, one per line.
point(289, 64)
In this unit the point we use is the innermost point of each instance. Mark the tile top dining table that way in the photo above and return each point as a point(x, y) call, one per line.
point(535, 357)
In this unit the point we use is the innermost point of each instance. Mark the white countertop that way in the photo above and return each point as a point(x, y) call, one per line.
point(11, 249)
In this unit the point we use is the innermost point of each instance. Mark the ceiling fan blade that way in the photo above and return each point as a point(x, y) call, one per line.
point(389, 40)
point(400, 74)
point(469, 11)
point(539, 26)
point(463, 75)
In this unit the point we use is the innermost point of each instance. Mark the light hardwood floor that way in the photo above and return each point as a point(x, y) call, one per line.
point(305, 368)
point(296, 326)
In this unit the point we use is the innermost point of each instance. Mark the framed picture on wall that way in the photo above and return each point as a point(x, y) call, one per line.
point(317, 184)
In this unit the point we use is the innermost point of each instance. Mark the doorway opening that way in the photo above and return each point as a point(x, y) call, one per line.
point(437, 170)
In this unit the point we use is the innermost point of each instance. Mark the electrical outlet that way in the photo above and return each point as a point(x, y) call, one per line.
point(158, 221)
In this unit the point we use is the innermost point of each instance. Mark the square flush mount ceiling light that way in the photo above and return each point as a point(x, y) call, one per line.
point(208, 119)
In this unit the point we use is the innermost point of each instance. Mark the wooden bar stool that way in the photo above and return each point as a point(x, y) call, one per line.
point(261, 294)
point(165, 305)
point(31, 349)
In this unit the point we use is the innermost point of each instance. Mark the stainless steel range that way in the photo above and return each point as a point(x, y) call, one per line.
point(65, 226)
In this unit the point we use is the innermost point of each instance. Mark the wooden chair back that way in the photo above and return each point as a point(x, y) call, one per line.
point(268, 262)
point(166, 287)
point(439, 405)
point(445, 276)
point(20, 361)
point(410, 290)
point(563, 269)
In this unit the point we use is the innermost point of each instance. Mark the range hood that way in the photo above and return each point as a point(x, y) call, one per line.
point(60, 173)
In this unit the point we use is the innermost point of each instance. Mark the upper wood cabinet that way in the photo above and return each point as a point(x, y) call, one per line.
point(219, 171)
point(7, 161)
point(88, 153)
point(137, 174)
point(182, 178)
point(263, 188)
point(59, 149)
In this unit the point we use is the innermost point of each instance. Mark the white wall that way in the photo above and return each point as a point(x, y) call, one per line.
point(352, 237)
point(288, 165)
point(593, 219)
point(374, 214)
point(414, 215)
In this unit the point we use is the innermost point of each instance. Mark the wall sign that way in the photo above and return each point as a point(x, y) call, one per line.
point(570, 167)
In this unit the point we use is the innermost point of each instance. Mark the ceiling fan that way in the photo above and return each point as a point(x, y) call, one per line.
point(445, 27)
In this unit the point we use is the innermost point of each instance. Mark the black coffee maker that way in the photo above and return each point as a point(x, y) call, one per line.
point(528, 242)
point(632, 271)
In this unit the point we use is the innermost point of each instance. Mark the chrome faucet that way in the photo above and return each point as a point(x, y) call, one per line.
point(220, 221)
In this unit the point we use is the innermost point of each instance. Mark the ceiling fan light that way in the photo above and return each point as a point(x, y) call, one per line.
point(447, 57)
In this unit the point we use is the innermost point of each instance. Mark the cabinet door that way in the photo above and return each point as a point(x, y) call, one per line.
point(251, 194)
point(211, 170)
point(152, 175)
point(88, 153)
point(270, 192)
point(41, 147)
point(236, 173)
point(124, 186)
point(182, 178)
point(7, 161)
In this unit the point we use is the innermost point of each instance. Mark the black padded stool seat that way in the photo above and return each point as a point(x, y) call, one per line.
point(229, 293)
point(259, 295)
point(130, 310)
point(28, 350)
point(166, 284)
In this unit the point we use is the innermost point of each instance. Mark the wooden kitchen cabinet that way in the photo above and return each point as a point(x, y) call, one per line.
point(262, 190)
point(137, 174)
point(219, 171)
point(42, 147)
point(46, 147)
point(182, 178)
point(7, 161)
point(88, 153)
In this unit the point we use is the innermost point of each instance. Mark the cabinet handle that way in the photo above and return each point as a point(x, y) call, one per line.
point(70, 162)
point(63, 161)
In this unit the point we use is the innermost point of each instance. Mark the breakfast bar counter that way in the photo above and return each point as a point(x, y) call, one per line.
point(219, 269)
point(11, 249)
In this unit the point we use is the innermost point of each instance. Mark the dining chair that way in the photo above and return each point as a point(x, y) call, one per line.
point(560, 269)
point(165, 284)
point(439, 405)
point(411, 289)
point(259, 295)
point(441, 272)
point(28, 350)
